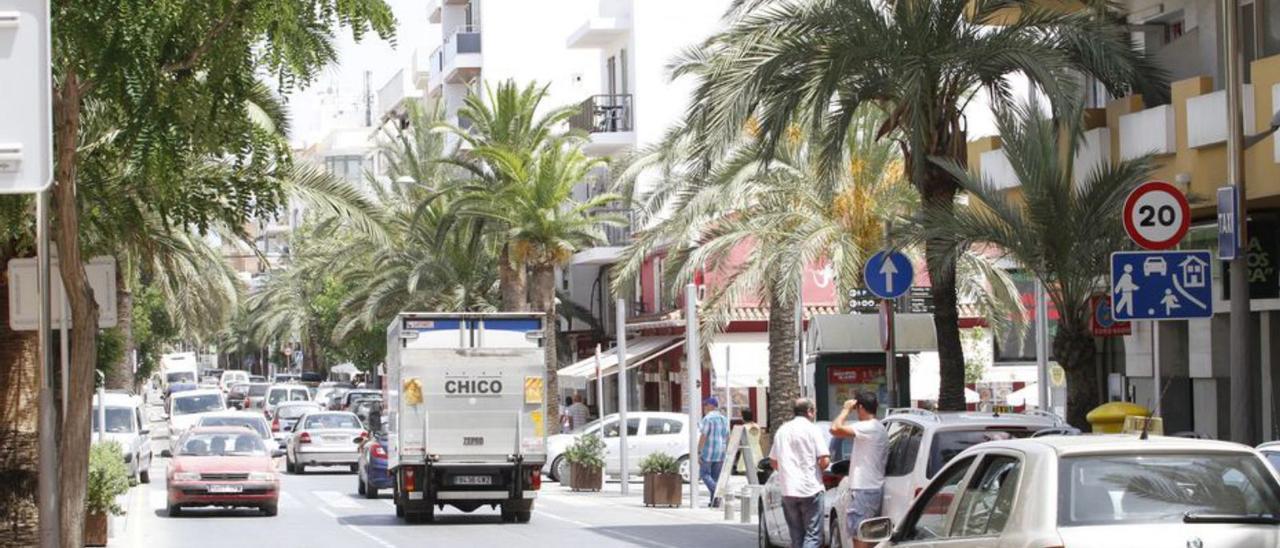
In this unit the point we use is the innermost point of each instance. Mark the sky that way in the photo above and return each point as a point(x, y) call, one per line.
point(335, 99)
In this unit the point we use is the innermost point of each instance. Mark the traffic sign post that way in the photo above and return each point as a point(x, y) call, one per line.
point(1228, 225)
point(1156, 215)
point(1164, 285)
point(888, 274)
point(26, 98)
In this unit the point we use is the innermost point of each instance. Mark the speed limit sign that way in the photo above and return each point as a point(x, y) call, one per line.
point(1156, 215)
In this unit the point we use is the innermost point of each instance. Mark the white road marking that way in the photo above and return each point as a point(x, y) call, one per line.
point(356, 529)
point(336, 499)
point(287, 500)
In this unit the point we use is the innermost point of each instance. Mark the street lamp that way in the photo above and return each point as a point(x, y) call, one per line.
point(1255, 139)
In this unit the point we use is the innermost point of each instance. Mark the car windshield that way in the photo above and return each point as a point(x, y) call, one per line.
point(299, 394)
point(254, 423)
point(320, 422)
point(223, 444)
point(180, 376)
point(277, 395)
point(1118, 489)
point(119, 420)
point(257, 390)
point(202, 403)
point(1273, 457)
point(949, 443)
point(295, 411)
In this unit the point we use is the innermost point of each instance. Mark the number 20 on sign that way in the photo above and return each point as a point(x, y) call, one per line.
point(1156, 215)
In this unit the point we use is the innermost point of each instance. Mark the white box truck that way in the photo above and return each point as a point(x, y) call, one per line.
point(466, 403)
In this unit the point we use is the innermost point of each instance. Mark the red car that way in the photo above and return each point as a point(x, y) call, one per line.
point(223, 466)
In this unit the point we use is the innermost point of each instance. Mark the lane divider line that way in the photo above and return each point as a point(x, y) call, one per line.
point(356, 529)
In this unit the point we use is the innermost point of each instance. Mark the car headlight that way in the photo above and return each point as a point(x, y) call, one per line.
point(261, 476)
point(186, 476)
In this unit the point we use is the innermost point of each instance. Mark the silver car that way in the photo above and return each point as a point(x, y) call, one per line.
point(327, 438)
point(1100, 491)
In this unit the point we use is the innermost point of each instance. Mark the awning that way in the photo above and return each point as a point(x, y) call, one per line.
point(861, 333)
point(639, 351)
point(746, 357)
point(345, 369)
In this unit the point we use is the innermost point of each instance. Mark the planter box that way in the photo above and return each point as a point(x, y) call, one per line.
point(662, 490)
point(582, 478)
point(95, 529)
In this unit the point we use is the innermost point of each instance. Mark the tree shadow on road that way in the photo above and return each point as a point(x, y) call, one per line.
point(705, 535)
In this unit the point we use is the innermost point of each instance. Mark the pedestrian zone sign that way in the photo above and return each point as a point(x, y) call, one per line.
point(1161, 285)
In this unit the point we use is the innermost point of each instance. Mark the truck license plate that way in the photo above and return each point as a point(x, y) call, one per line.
point(473, 480)
point(225, 489)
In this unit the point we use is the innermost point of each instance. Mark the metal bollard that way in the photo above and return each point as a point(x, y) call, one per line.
point(727, 501)
point(746, 505)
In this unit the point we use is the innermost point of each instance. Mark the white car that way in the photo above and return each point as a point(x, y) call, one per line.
point(1271, 450)
point(280, 393)
point(921, 442)
point(1100, 491)
point(231, 377)
point(326, 438)
point(286, 416)
point(771, 524)
point(185, 408)
point(648, 432)
point(128, 426)
point(247, 419)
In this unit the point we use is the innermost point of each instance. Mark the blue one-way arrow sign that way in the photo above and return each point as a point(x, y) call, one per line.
point(1161, 285)
point(888, 274)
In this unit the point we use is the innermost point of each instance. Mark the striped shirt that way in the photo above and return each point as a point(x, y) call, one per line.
point(580, 414)
point(715, 429)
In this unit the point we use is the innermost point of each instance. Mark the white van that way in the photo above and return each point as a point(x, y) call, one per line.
point(185, 408)
point(127, 425)
point(232, 377)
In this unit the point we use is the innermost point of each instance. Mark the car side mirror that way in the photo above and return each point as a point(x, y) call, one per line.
point(277, 453)
point(875, 530)
point(840, 467)
point(166, 453)
point(144, 432)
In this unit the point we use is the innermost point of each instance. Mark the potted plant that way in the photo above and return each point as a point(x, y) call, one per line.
point(661, 480)
point(108, 479)
point(586, 462)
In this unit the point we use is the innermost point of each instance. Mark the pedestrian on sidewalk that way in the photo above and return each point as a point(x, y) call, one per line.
point(712, 445)
point(866, 462)
point(799, 455)
point(579, 411)
point(566, 420)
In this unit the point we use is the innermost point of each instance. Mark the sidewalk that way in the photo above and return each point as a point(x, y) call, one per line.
point(611, 495)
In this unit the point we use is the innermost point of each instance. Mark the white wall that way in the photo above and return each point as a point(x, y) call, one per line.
point(525, 41)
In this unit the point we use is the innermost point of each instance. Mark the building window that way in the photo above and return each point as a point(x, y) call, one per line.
point(658, 301)
point(349, 168)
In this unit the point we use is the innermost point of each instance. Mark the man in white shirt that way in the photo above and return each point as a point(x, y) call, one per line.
point(799, 456)
point(866, 462)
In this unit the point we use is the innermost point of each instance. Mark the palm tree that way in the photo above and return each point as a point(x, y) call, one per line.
point(545, 224)
point(817, 62)
point(1061, 228)
point(504, 126)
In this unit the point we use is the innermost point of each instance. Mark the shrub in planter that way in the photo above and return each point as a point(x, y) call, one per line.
point(586, 461)
point(661, 480)
point(108, 479)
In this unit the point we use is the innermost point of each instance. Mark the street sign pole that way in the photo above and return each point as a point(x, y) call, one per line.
point(1242, 383)
point(47, 478)
point(623, 386)
point(890, 350)
point(693, 367)
point(1155, 367)
point(1042, 345)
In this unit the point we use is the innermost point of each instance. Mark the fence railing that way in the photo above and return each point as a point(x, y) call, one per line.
point(603, 114)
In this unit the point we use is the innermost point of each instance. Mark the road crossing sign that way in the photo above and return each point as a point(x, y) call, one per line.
point(1161, 285)
point(888, 274)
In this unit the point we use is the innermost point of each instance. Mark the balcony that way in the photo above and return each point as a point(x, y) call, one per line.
point(462, 58)
point(392, 95)
point(421, 70)
point(1149, 131)
point(1207, 117)
point(433, 11)
point(610, 22)
point(608, 118)
point(435, 73)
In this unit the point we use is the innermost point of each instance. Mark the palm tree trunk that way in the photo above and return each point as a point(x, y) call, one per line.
point(784, 373)
point(543, 292)
point(1074, 348)
point(73, 476)
point(512, 283)
point(940, 192)
point(121, 375)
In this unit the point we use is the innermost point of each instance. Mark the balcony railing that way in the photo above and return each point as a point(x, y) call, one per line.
point(603, 114)
point(617, 236)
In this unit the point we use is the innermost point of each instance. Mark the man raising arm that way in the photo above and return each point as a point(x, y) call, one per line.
point(866, 462)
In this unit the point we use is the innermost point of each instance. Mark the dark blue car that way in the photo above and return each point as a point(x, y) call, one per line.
point(371, 472)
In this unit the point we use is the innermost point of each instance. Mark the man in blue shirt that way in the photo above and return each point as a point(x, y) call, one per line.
point(712, 445)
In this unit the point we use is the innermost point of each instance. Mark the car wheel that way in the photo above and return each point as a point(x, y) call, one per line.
point(524, 516)
point(145, 474)
point(300, 469)
point(270, 510)
point(175, 510)
point(559, 467)
point(683, 466)
point(355, 468)
point(370, 492)
point(399, 511)
point(288, 465)
point(360, 488)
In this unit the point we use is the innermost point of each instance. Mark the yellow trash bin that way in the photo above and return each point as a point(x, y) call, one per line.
point(1108, 418)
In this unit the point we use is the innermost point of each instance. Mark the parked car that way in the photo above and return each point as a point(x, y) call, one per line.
point(231, 377)
point(325, 438)
point(771, 524)
point(350, 396)
point(1271, 450)
point(244, 419)
point(280, 393)
point(363, 406)
point(328, 387)
point(921, 442)
point(256, 397)
point(648, 432)
point(371, 470)
point(185, 408)
point(127, 426)
point(286, 415)
point(225, 466)
point(236, 395)
point(333, 400)
point(173, 388)
point(257, 378)
point(1099, 491)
